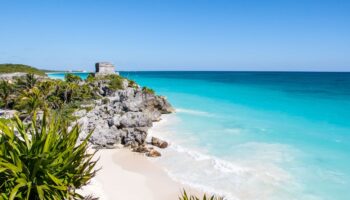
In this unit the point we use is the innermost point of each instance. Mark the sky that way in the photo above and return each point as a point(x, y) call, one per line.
point(258, 35)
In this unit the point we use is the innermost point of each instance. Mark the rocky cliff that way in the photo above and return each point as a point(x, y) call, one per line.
point(116, 111)
point(122, 116)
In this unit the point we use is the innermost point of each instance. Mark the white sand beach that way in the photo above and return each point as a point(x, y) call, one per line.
point(128, 175)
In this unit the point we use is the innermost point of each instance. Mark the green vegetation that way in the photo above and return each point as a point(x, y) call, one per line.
point(11, 68)
point(148, 90)
point(72, 78)
point(132, 84)
point(39, 157)
point(43, 161)
point(28, 82)
point(90, 78)
point(115, 82)
point(6, 90)
point(184, 196)
point(28, 95)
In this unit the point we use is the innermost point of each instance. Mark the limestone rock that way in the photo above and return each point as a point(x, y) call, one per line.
point(135, 119)
point(125, 118)
point(11, 77)
point(141, 149)
point(153, 153)
point(79, 113)
point(7, 114)
point(159, 143)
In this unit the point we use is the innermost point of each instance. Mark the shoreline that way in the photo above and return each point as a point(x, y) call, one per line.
point(129, 175)
point(122, 172)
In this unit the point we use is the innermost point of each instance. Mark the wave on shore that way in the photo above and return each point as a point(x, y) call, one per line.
point(234, 179)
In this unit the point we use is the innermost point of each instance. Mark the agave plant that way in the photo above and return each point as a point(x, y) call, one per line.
point(43, 161)
point(184, 196)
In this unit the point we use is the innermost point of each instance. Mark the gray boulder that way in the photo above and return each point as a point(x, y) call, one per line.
point(7, 114)
point(135, 119)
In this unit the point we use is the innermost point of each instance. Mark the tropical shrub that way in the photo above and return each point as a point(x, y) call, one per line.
point(6, 89)
point(85, 92)
point(43, 161)
point(66, 112)
point(184, 196)
point(72, 78)
point(90, 77)
point(132, 84)
point(115, 82)
point(27, 82)
point(30, 101)
point(148, 90)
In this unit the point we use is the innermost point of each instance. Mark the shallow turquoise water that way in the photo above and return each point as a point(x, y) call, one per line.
point(59, 75)
point(257, 135)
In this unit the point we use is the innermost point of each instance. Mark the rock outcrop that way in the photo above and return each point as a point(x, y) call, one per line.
point(123, 117)
point(153, 153)
point(8, 114)
point(159, 143)
point(11, 77)
point(119, 116)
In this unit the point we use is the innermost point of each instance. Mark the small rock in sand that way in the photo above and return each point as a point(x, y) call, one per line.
point(159, 143)
point(141, 149)
point(153, 153)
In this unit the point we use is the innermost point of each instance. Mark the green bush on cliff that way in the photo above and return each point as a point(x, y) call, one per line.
point(11, 68)
point(43, 161)
point(90, 78)
point(132, 84)
point(115, 82)
point(148, 90)
point(72, 78)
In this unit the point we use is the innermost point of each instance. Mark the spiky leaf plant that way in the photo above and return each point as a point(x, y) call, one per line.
point(184, 196)
point(43, 161)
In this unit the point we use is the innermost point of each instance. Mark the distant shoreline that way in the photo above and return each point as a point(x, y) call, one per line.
point(74, 72)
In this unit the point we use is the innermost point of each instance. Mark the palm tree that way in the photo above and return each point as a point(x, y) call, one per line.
point(6, 90)
point(28, 82)
point(47, 88)
point(32, 100)
point(68, 91)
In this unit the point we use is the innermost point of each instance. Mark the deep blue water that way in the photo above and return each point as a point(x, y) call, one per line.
point(257, 135)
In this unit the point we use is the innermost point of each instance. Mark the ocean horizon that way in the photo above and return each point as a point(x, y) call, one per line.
point(255, 135)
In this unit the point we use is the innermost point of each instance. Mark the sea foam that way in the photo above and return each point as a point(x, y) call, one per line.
point(230, 178)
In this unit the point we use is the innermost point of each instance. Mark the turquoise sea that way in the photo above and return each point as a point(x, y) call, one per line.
point(257, 135)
